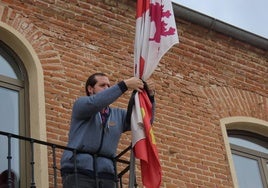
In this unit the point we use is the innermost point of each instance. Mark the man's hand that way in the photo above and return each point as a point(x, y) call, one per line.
point(134, 83)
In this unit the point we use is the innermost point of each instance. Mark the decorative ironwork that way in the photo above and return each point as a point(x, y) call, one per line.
point(54, 147)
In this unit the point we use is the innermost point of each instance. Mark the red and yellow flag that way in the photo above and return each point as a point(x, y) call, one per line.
point(156, 33)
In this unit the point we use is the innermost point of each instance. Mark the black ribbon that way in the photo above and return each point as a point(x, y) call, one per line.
point(131, 102)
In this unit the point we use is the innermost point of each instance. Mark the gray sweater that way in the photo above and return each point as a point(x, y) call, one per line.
point(86, 131)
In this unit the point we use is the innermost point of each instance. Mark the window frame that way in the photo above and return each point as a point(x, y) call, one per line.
point(22, 87)
point(241, 151)
point(245, 123)
point(260, 157)
point(36, 96)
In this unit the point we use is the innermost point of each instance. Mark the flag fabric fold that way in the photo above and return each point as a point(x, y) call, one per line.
point(156, 33)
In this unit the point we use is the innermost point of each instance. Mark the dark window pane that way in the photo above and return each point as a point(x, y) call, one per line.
point(6, 69)
point(9, 115)
point(247, 144)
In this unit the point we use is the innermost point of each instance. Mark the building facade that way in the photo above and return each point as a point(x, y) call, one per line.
point(211, 89)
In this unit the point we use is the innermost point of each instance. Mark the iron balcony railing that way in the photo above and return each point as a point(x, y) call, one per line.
point(118, 159)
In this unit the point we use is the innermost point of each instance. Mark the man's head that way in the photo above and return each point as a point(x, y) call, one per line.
point(96, 82)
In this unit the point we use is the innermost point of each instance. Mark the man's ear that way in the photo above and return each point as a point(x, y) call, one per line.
point(90, 89)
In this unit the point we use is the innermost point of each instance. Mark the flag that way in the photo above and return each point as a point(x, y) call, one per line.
point(156, 33)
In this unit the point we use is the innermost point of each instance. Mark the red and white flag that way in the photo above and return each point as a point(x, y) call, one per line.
point(156, 33)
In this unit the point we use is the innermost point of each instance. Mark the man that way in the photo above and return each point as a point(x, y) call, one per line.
point(96, 128)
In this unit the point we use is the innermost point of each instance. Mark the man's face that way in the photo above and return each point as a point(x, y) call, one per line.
point(102, 84)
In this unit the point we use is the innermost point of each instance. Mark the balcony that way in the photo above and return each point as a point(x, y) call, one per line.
point(10, 179)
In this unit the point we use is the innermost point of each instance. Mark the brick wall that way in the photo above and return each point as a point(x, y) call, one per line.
point(208, 76)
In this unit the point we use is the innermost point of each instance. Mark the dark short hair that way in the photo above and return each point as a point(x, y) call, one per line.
point(91, 81)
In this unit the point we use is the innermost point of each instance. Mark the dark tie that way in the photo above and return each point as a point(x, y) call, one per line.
point(104, 115)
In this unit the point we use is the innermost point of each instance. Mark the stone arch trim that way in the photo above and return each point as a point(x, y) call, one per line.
point(240, 123)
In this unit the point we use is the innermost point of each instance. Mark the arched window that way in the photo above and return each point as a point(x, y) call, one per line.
point(13, 110)
point(250, 157)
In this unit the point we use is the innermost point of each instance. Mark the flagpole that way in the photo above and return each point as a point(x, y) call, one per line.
point(132, 175)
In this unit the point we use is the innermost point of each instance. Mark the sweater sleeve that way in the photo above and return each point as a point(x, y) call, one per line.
point(84, 107)
point(122, 85)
